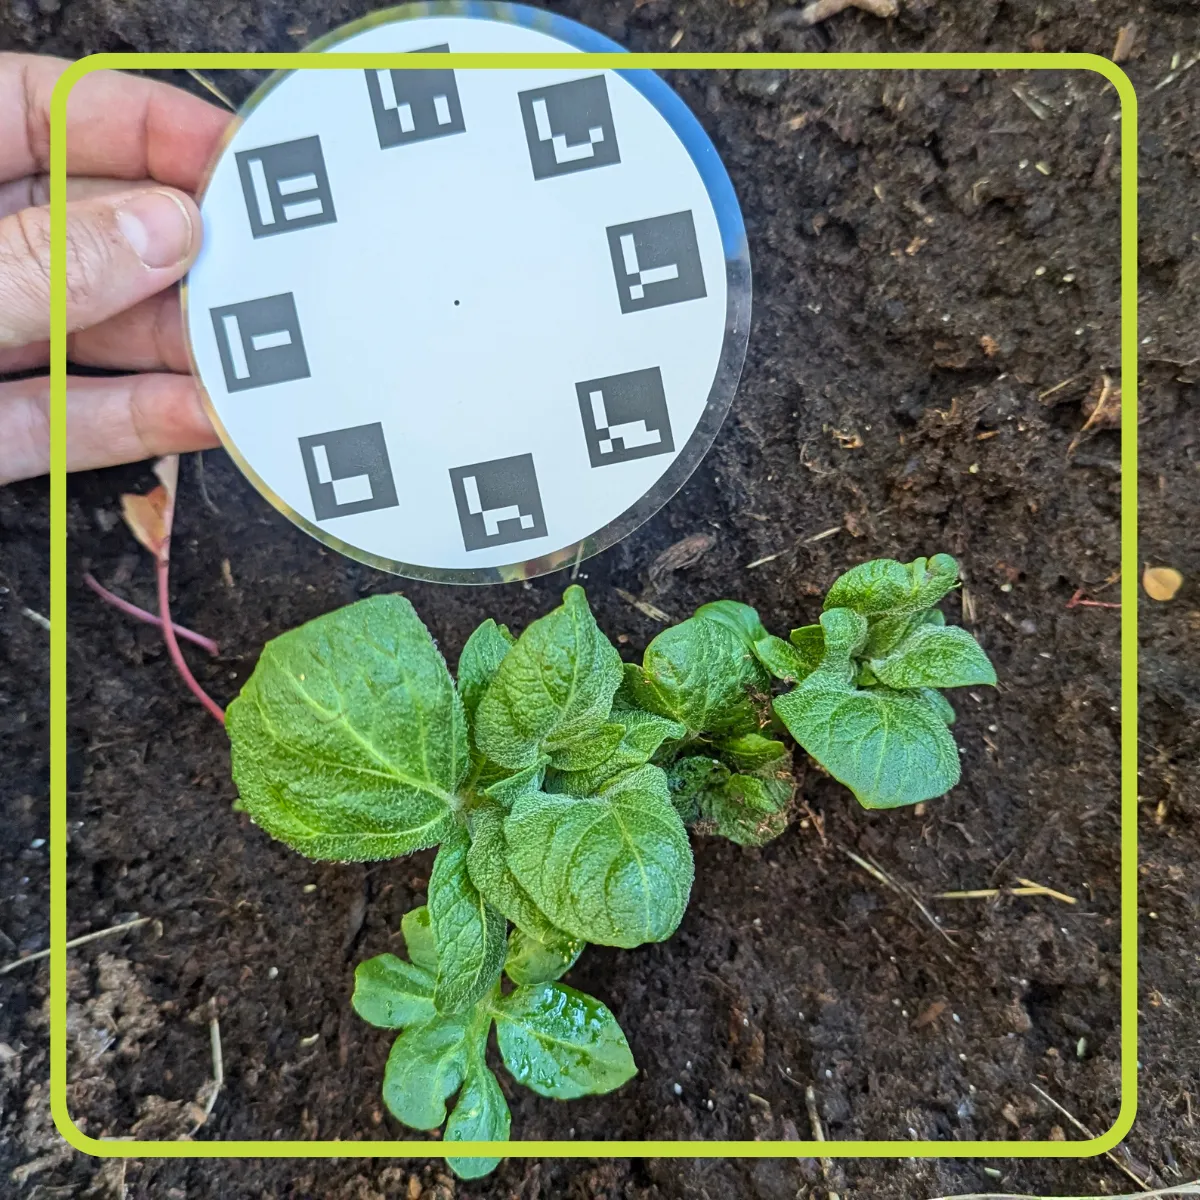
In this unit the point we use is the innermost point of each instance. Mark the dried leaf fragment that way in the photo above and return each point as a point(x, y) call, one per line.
point(149, 517)
point(1161, 583)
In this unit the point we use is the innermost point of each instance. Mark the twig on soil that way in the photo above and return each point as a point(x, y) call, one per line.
point(36, 618)
point(1112, 1158)
point(79, 941)
point(1058, 387)
point(209, 86)
point(877, 872)
point(1175, 74)
point(218, 1069)
point(1027, 888)
point(814, 1119)
point(132, 610)
point(644, 606)
point(1180, 1189)
point(822, 10)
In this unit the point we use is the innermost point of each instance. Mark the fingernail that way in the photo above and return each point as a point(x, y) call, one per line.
point(158, 227)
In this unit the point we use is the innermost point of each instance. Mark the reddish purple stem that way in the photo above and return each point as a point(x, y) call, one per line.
point(168, 629)
point(141, 614)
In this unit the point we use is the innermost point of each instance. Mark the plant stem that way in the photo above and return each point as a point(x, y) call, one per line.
point(140, 614)
point(161, 567)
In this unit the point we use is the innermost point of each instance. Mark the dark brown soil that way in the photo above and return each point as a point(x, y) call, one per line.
point(931, 256)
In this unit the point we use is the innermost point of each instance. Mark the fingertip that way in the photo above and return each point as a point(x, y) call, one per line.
point(162, 227)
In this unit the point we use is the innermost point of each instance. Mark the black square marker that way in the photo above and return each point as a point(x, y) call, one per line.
point(656, 261)
point(286, 187)
point(498, 502)
point(414, 106)
point(569, 127)
point(625, 416)
point(348, 471)
point(259, 342)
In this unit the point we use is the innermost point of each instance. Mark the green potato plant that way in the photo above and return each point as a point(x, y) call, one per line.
point(558, 784)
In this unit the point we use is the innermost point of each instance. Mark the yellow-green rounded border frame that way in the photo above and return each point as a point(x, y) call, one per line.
point(58, 596)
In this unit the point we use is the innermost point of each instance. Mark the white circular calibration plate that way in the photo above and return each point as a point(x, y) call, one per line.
point(468, 325)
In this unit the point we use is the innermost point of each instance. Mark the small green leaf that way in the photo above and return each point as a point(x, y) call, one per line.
point(747, 809)
point(349, 740)
point(752, 753)
point(417, 929)
point(688, 777)
point(425, 1068)
point(392, 993)
point(888, 632)
point(701, 673)
point(480, 660)
point(782, 659)
point(614, 868)
point(560, 1043)
point(935, 657)
point(487, 864)
point(469, 932)
point(529, 961)
point(590, 752)
point(643, 734)
point(554, 687)
point(505, 790)
point(480, 1114)
point(887, 747)
point(809, 643)
point(886, 587)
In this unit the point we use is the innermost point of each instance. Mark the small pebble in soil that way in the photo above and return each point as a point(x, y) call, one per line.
point(677, 1088)
point(38, 843)
point(273, 973)
point(310, 887)
point(1040, 271)
point(710, 1106)
point(688, 1065)
point(957, 1018)
point(1006, 587)
point(310, 1040)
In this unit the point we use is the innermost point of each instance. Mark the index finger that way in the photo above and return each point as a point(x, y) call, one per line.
point(120, 126)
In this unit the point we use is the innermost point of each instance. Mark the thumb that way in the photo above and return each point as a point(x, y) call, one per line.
point(121, 248)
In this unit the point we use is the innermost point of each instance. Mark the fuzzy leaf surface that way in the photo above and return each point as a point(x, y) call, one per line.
point(614, 869)
point(934, 656)
point(554, 687)
point(468, 931)
point(349, 739)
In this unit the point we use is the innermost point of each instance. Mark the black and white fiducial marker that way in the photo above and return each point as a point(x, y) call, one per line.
point(468, 325)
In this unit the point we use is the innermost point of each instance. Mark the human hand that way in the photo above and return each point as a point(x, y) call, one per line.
point(136, 149)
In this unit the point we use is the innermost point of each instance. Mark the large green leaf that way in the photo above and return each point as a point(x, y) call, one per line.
point(561, 1043)
point(614, 868)
point(888, 747)
point(349, 739)
point(469, 932)
point(479, 661)
point(480, 1113)
point(935, 657)
point(554, 687)
point(487, 864)
point(425, 1068)
point(886, 587)
point(530, 961)
point(392, 993)
point(701, 673)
